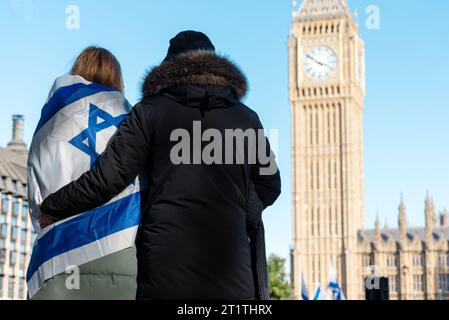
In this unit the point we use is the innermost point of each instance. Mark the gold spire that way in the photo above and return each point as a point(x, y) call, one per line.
point(378, 230)
point(402, 214)
point(429, 212)
point(445, 218)
point(403, 225)
point(311, 9)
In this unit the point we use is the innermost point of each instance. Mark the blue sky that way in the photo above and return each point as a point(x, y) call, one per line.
point(407, 111)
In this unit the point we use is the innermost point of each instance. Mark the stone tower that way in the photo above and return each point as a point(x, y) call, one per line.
point(327, 90)
point(17, 143)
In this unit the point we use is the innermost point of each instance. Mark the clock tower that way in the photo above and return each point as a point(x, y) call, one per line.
point(327, 90)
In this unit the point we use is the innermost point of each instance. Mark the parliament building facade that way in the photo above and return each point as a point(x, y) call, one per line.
point(327, 92)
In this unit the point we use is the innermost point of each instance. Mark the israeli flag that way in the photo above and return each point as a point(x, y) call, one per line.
point(304, 292)
point(77, 122)
point(319, 294)
point(337, 293)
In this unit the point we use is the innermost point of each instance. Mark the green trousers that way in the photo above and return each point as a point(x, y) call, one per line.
point(110, 278)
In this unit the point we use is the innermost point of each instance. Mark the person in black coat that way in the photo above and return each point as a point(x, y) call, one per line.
point(192, 242)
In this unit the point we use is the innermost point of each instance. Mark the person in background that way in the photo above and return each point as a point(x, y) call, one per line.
point(193, 241)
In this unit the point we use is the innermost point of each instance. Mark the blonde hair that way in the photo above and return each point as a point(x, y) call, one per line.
point(100, 66)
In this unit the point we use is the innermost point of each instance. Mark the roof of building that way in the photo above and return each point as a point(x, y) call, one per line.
point(13, 172)
point(412, 234)
point(311, 9)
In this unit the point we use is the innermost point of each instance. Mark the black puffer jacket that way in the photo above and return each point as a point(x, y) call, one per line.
point(192, 242)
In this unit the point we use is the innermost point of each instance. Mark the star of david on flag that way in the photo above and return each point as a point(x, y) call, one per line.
point(86, 141)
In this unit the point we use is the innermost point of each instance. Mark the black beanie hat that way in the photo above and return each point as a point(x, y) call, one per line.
point(187, 41)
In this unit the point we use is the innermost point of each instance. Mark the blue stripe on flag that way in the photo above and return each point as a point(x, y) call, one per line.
point(65, 96)
point(86, 228)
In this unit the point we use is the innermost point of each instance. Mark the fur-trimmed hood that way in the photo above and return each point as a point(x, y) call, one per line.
point(195, 68)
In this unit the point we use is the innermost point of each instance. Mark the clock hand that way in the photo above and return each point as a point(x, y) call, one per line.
point(320, 63)
point(313, 59)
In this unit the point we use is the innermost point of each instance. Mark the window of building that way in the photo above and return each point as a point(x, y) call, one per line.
point(2, 218)
point(4, 231)
point(14, 221)
point(15, 207)
point(22, 260)
point(21, 287)
point(2, 256)
point(392, 260)
point(443, 282)
point(311, 128)
point(367, 261)
point(443, 260)
point(334, 124)
point(24, 212)
point(393, 283)
point(11, 283)
point(417, 260)
point(418, 283)
point(13, 258)
point(14, 233)
point(22, 264)
point(1, 285)
point(23, 236)
point(5, 204)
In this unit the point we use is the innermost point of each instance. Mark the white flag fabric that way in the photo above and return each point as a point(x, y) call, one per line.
point(77, 122)
point(319, 294)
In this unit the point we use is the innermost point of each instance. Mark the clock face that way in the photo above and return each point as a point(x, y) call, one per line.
point(320, 63)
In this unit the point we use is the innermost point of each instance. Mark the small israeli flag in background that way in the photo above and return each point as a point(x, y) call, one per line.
point(319, 294)
point(77, 122)
point(337, 293)
point(304, 292)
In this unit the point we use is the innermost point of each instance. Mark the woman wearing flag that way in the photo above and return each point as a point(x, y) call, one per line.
point(90, 256)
